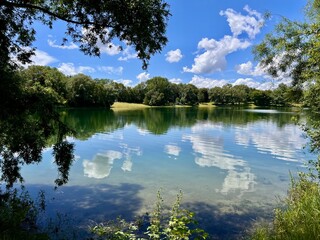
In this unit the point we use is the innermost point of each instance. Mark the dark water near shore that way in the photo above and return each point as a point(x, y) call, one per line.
point(231, 164)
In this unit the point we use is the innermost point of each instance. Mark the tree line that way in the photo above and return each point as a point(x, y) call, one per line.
point(83, 91)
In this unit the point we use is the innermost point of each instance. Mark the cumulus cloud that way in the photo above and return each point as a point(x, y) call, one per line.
point(175, 80)
point(70, 69)
point(214, 56)
point(142, 77)
point(111, 70)
point(109, 49)
point(128, 53)
point(248, 69)
point(202, 82)
point(126, 82)
point(258, 71)
point(52, 43)
point(250, 82)
point(174, 56)
point(249, 24)
point(42, 58)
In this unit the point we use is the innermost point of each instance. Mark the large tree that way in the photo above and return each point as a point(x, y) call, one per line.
point(294, 49)
point(141, 23)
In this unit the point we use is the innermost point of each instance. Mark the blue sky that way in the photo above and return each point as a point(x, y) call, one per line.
point(210, 44)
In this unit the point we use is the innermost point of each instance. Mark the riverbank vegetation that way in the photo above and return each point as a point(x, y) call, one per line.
point(296, 44)
point(48, 84)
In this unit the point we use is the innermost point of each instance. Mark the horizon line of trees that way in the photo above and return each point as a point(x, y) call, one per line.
point(83, 91)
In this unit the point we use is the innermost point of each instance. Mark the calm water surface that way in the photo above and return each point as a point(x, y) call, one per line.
point(231, 164)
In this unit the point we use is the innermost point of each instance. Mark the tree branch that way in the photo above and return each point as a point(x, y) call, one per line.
point(44, 10)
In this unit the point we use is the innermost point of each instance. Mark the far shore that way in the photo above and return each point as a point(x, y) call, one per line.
point(118, 106)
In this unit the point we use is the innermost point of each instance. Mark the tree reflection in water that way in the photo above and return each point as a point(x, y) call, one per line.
point(29, 123)
point(31, 128)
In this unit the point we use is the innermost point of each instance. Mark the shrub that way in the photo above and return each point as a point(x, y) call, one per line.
point(180, 224)
point(300, 219)
point(19, 215)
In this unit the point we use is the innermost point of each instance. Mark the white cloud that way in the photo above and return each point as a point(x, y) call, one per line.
point(69, 69)
point(255, 84)
point(174, 56)
point(202, 82)
point(175, 80)
point(142, 77)
point(107, 48)
point(110, 48)
point(255, 71)
point(127, 53)
point(248, 69)
point(250, 24)
point(52, 43)
point(125, 82)
point(111, 70)
point(42, 58)
point(214, 57)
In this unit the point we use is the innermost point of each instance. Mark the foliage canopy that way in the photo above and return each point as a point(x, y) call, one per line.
point(294, 49)
point(141, 23)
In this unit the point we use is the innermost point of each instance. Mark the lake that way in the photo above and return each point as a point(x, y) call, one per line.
point(232, 164)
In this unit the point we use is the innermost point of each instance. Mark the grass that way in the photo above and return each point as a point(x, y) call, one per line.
point(118, 106)
point(208, 105)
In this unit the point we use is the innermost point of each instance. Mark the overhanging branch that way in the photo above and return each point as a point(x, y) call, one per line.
point(44, 10)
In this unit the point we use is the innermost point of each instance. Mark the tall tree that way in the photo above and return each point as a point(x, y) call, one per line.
point(294, 48)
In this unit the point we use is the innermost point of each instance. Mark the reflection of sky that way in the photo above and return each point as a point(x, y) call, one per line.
point(143, 132)
point(243, 181)
point(282, 143)
point(101, 164)
point(209, 148)
point(172, 150)
point(128, 152)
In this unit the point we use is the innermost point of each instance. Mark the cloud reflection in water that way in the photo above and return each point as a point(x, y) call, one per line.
point(101, 164)
point(172, 150)
point(210, 153)
point(283, 143)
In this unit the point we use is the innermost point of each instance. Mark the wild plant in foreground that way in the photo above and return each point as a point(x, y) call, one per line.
point(300, 219)
point(178, 225)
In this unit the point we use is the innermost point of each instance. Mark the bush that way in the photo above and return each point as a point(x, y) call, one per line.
point(180, 224)
point(19, 215)
point(301, 217)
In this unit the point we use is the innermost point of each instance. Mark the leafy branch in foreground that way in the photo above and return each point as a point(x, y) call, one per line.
point(180, 224)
